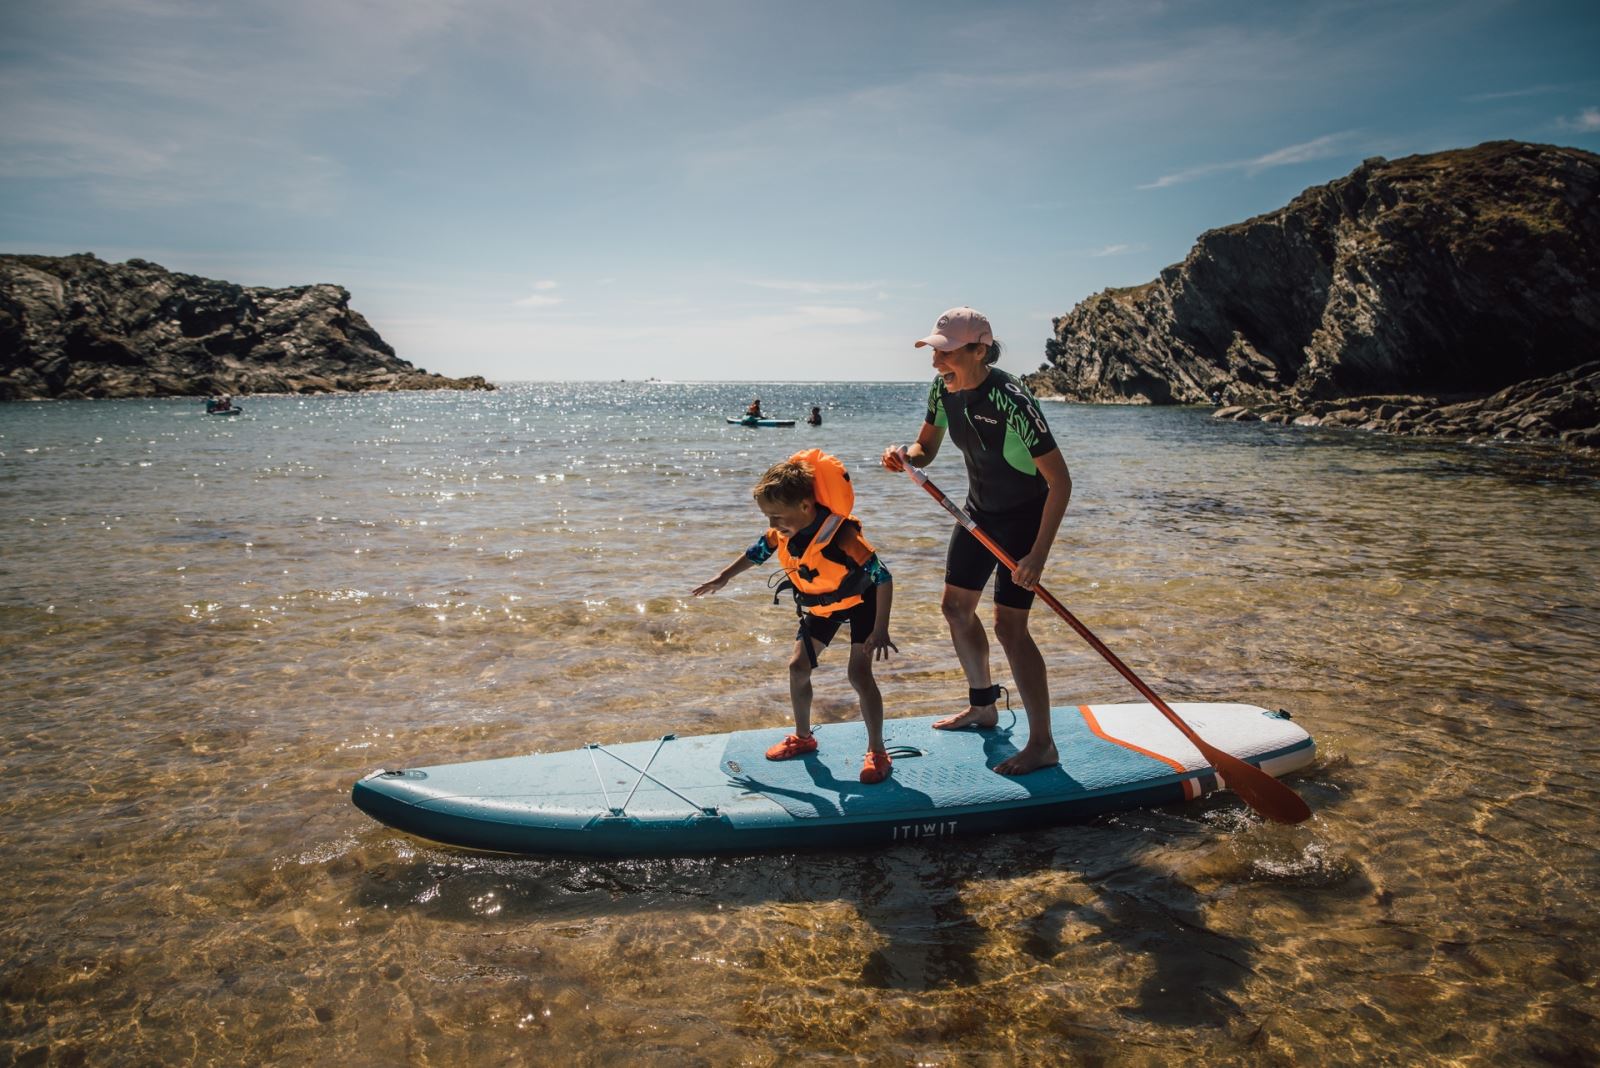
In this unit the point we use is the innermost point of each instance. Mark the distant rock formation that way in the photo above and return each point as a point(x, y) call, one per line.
point(1433, 281)
point(1564, 407)
point(76, 326)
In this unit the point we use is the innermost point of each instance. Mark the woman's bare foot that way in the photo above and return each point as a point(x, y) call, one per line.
point(975, 716)
point(1031, 758)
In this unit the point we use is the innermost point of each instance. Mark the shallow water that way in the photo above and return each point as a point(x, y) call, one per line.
point(213, 626)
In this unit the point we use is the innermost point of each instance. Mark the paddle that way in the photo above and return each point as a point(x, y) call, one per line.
point(1260, 791)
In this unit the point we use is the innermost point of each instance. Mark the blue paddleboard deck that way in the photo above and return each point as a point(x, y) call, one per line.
point(718, 793)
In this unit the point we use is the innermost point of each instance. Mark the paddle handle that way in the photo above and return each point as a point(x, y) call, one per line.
point(1260, 791)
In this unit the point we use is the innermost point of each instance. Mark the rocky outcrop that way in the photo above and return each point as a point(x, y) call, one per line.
point(76, 326)
point(1564, 407)
point(1444, 278)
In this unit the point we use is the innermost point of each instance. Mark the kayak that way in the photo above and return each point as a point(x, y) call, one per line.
point(718, 793)
point(748, 421)
point(235, 410)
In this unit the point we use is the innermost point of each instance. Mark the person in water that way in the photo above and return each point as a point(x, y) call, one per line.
point(837, 578)
point(815, 418)
point(1017, 491)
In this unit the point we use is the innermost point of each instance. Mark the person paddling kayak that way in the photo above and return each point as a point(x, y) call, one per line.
point(1018, 487)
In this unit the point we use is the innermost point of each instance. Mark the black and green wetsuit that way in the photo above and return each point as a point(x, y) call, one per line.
point(999, 429)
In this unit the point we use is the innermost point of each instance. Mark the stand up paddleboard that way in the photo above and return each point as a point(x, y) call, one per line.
point(718, 793)
point(747, 421)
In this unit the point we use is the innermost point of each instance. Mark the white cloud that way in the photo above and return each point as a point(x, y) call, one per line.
point(1304, 152)
point(1512, 94)
point(179, 102)
point(619, 49)
point(1588, 121)
point(541, 297)
point(815, 287)
point(1189, 175)
point(825, 342)
point(828, 315)
point(1321, 148)
point(1111, 250)
point(868, 126)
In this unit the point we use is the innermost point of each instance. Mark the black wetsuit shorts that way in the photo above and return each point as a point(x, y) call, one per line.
point(968, 563)
point(862, 618)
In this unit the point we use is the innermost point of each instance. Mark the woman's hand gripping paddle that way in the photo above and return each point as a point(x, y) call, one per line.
point(1260, 791)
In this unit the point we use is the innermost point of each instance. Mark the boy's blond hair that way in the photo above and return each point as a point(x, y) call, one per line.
point(786, 483)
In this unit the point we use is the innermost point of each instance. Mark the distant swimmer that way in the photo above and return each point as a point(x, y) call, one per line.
point(815, 418)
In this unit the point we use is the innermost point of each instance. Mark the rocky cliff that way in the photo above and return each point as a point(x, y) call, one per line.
point(76, 326)
point(1433, 281)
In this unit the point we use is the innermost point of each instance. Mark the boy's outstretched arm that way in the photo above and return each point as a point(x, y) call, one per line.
point(739, 566)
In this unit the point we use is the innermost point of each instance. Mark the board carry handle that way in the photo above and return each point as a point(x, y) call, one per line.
point(1260, 791)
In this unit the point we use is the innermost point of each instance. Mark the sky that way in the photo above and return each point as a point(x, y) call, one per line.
point(757, 190)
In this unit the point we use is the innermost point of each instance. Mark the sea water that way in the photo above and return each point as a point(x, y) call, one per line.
point(213, 625)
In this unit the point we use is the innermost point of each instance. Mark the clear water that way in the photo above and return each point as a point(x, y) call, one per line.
point(213, 626)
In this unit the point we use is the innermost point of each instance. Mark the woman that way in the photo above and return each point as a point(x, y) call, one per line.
point(1017, 491)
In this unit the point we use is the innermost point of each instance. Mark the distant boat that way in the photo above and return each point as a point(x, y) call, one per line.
point(750, 420)
point(218, 408)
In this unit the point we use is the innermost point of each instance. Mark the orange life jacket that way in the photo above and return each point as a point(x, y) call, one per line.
point(824, 584)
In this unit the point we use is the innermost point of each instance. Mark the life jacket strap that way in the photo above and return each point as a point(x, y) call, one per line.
point(856, 585)
point(805, 619)
point(805, 639)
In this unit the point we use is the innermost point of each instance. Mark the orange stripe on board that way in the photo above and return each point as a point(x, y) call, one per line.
point(1094, 725)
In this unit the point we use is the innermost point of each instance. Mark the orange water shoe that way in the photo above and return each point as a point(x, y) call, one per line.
point(875, 768)
point(793, 746)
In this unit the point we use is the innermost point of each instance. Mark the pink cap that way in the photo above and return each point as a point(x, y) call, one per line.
point(958, 328)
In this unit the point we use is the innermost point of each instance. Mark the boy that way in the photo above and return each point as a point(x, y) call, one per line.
point(837, 578)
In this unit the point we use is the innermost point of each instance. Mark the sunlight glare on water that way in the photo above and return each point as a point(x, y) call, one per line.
point(212, 627)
